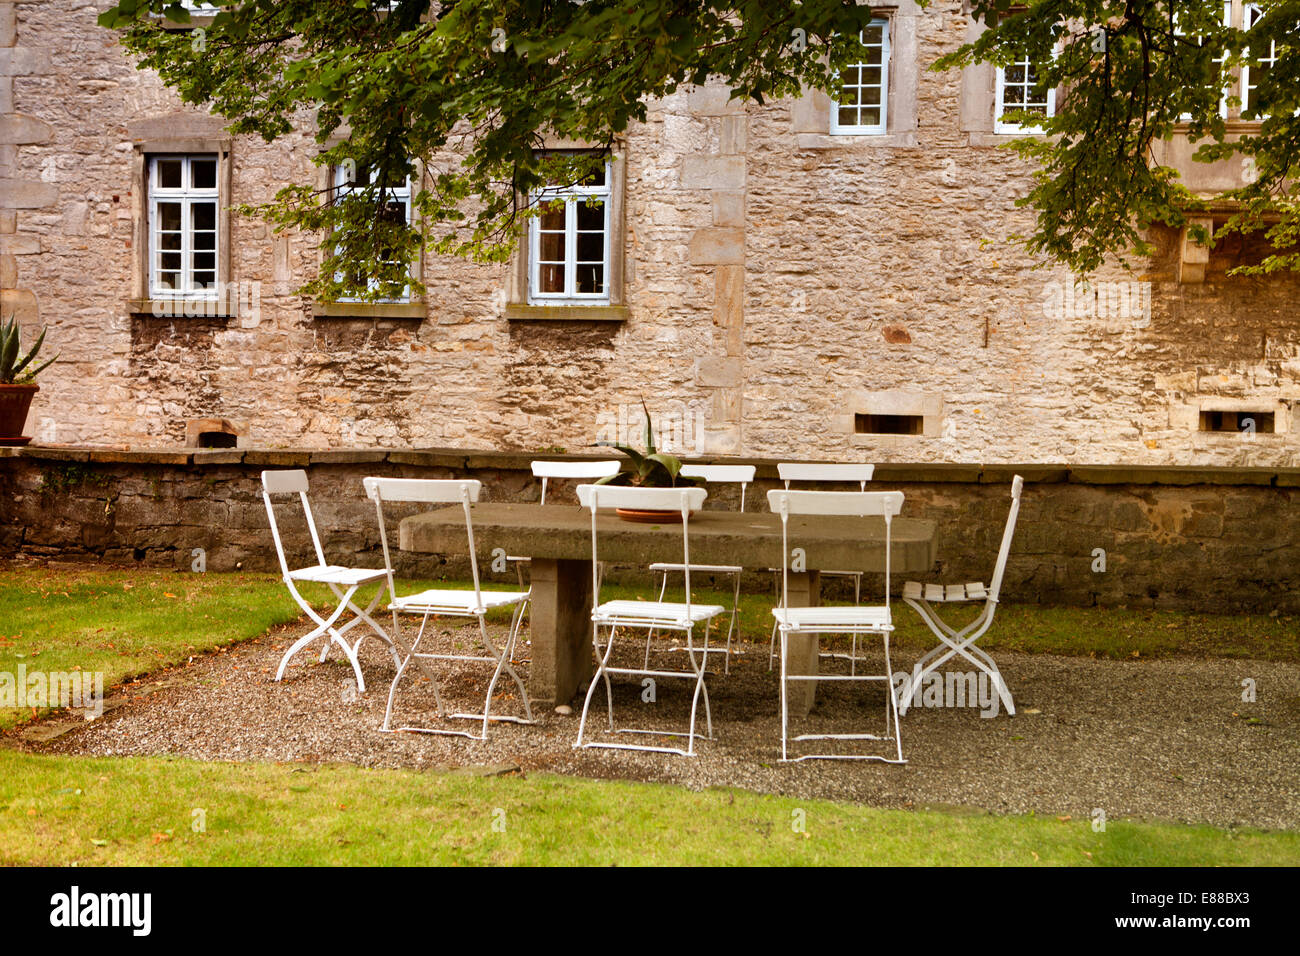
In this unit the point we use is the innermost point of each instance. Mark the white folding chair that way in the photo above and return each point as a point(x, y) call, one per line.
point(343, 581)
point(647, 614)
point(856, 620)
point(546, 470)
point(811, 471)
point(445, 601)
point(713, 474)
point(962, 643)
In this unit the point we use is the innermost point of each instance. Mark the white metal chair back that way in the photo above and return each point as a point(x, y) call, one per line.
point(546, 470)
point(293, 482)
point(723, 474)
point(609, 497)
point(886, 504)
point(811, 471)
point(995, 586)
point(432, 491)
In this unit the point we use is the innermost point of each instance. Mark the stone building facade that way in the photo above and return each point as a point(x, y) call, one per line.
point(780, 289)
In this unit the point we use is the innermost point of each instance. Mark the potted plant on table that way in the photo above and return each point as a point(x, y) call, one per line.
point(17, 385)
point(648, 469)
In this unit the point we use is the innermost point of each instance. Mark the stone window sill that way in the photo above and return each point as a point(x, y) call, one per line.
point(181, 309)
point(850, 140)
point(519, 312)
point(369, 310)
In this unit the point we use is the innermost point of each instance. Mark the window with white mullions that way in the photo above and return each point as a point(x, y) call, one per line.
point(396, 208)
point(568, 247)
point(1219, 61)
point(1018, 89)
point(1263, 60)
point(183, 226)
point(862, 109)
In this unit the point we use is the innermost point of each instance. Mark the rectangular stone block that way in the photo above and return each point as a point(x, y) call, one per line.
point(718, 371)
point(728, 208)
point(716, 245)
point(713, 172)
point(27, 194)
point(24, 61)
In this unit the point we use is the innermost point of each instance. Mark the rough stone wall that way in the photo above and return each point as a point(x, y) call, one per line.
point(777, 284)
point(1170, 538)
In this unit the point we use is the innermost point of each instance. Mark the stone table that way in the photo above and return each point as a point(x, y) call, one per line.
point(558, 539)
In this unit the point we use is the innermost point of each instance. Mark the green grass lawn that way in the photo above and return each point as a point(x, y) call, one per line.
point(146, 811)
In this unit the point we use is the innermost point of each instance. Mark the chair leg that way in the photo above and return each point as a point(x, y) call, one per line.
point(892, 704)
point(591, 688)
point(785, 701)
point(663, 589)
point(411, 656)
point(323, 625)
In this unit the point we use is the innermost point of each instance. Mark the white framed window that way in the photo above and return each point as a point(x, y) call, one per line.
point(1017, 90)
point(569, 243)
point(1223, 98)
point(866, 86)
point(1251, 14)
point(397, 208)
point(184, 226)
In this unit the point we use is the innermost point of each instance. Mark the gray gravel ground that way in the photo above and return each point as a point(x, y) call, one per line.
point(1157, 739)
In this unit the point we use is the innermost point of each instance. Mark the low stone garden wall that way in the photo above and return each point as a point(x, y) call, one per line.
point(1202, 539)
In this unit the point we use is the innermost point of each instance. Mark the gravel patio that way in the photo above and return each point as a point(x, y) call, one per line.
point(1165, 739)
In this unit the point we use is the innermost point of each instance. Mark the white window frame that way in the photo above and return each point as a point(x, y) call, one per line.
point(1223, 98)
point(1000, 107)
point(400, 194)
point(1249, 11)
point(571, 195)
point(836, 128)
point(187, 196)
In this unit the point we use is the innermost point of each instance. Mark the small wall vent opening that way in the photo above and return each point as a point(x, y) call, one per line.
point(211, 433)
point(1260, 423)
point(888, 424)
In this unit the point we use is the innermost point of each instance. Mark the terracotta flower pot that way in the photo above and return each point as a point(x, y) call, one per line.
point(641, 516)
point(15, 400)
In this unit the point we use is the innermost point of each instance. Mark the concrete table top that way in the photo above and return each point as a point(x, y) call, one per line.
point(751, 540)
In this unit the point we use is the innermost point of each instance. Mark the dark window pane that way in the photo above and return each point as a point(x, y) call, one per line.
point(204, 240)
point(204, 173)
point(204, 215)
point(590, 278)
point(169, 216)
point(169, 173)
point(591, 214)
point(552, 278)
point(168, 280)
point(169, 241)
point(394, 212)
point(551, 247)
point(552, 219)
point(170, 261)
point(591, 247)
point(205, 260)
point(848, 116)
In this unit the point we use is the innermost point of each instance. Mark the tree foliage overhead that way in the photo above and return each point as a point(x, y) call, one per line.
point(1133, 73)
point(478, 81)
point(461, 96)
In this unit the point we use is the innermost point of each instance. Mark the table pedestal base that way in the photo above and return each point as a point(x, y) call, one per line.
point(560, 623)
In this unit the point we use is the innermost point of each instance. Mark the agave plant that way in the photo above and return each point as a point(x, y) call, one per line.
point(648, 469)
point(11, 367)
